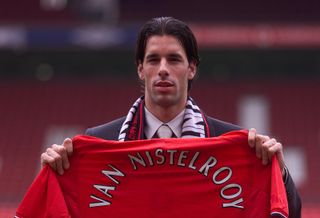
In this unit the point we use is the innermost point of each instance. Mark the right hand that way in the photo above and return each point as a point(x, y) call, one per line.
point(57, 156)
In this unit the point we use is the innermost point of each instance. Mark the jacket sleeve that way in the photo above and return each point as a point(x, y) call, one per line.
point(293, 197)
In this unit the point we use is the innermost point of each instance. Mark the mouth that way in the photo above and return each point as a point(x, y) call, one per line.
point(164, 86)
point(164, 83)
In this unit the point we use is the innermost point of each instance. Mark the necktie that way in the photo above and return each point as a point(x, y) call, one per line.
point(164, 131)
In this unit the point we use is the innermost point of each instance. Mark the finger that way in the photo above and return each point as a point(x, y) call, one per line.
point(46, 159)
point(57, 160)
point(273, 148)
point(278, 150)
point(265, 151)
point(259, 140)
point(252, 137)
point(62, 151)
point(264, 157)
point(67, 143)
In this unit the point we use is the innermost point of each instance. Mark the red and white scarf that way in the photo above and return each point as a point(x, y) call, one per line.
point(194, 123)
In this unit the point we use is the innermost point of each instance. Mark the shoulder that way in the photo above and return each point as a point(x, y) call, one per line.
point(109, 131)
point(219, 127)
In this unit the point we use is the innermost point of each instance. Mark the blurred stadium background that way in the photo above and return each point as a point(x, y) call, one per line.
point(66, 65)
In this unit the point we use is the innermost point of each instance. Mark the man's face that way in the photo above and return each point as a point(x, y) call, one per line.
point(165, 71)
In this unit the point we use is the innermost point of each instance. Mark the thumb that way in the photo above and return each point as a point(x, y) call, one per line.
point(252, 137)
point(67, 143)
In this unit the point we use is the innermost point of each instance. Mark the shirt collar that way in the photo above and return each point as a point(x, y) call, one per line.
point(153, 124)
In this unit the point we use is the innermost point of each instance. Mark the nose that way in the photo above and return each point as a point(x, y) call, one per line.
point(163, 69)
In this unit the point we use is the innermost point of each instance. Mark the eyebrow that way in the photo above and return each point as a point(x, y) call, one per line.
point(175, 55)
point(150, 56)
point(172, 55)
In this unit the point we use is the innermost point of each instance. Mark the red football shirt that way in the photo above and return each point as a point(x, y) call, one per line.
point(211, 177)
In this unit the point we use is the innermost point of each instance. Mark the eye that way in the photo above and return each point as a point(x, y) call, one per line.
point(174, 59)
point(152, 60)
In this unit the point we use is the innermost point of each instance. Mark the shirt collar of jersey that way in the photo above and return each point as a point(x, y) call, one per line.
point(153, 124)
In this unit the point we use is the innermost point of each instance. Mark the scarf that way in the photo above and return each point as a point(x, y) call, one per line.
point(194, 123)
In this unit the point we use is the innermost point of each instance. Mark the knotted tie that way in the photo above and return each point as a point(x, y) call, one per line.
point(164, 131)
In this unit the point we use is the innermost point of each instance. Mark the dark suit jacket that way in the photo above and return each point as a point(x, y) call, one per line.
point(110, 131)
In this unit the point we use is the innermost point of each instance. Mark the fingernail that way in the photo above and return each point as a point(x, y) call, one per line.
point(66, 166)
point(61, 172)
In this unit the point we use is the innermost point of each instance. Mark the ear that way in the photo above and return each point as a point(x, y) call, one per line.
point(192, 70)
point(140, 71)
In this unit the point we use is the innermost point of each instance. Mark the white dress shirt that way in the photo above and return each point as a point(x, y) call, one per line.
point(153, 124)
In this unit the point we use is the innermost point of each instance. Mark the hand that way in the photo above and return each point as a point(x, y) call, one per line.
point(57, 156)
point(266, 147)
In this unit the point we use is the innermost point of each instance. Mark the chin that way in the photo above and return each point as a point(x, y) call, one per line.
point(165, 100)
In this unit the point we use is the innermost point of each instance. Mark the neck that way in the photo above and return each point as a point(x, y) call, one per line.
point(165, 113)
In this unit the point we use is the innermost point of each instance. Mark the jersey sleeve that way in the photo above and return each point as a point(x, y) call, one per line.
point(278, 196)
point(44, 198)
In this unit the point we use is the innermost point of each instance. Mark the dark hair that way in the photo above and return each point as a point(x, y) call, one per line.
point(168, 26)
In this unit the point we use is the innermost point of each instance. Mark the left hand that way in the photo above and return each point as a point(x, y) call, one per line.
point(266, 147)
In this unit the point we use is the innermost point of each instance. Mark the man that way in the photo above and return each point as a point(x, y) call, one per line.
point(167, 60)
